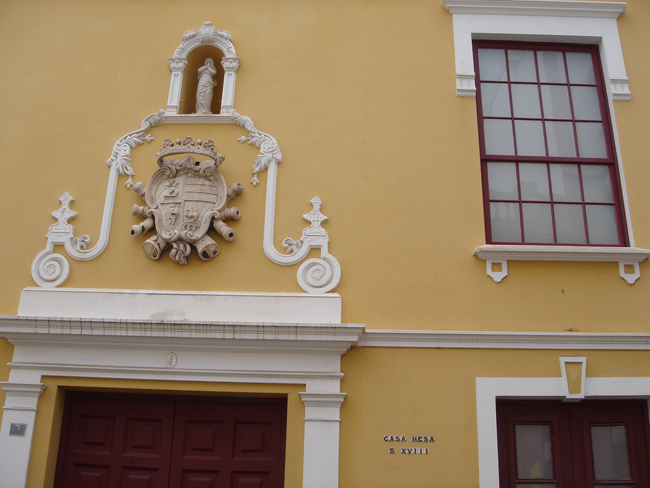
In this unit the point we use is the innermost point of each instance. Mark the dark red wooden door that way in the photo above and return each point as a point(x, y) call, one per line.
point(228, 444)
point(110, 441)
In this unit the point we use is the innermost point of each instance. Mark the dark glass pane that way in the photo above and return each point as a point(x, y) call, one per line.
point(492, 64)
point(495, 100)
point(534, 451)
point(505, 223)
point(609, 451)
point(551, 67)
point(522, 65)
point(502, 181)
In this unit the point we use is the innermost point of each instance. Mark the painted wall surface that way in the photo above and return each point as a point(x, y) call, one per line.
point(361, 99)
point(432, 392)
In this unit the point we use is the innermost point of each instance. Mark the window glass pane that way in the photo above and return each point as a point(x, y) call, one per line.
point(534, 182)
point(555, 100)
point(591, 140)
point(534, 451)
point(560, 139)
point(530, 138)
point(495, 100)
point(569, 224)
point(551, 67)
point(609, 450)
point(502, 181)
point(565, 182)
point(585, 103)
point(581, 68)
point(596, 184)
point(601, 223)
point(538, 225)
point(504, 218)
point(522, 65)
point(498, 137)
point(525, 101)
point(492, 64)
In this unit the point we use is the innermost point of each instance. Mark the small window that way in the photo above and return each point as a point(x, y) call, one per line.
point(547, 155)
point(590, 444)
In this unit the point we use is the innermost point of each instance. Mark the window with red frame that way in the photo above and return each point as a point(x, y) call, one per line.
point(547, 155)
point(589, 444)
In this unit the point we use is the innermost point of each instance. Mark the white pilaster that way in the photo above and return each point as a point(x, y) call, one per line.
point(322, 421)
point(177, 65)
point(17, 431)
point(230, 66)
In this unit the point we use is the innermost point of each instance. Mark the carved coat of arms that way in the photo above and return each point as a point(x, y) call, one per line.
point(185, 199)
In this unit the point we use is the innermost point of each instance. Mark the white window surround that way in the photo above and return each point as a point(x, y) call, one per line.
point(294, 339)
point(582, 22)
point(488, 390)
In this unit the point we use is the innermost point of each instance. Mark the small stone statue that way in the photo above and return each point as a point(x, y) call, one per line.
point(206, 86)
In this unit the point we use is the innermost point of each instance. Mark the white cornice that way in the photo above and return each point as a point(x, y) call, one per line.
point(562, 253)
point(205, 336)
point(504, 340)
point(556, 8)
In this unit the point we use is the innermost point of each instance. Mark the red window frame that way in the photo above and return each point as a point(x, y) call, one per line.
point(609, 161)
point(571, 442)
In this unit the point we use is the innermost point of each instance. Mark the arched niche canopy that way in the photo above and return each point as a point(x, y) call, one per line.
point(192, 52)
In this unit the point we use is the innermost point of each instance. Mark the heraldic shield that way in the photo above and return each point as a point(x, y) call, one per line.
point(184, 200)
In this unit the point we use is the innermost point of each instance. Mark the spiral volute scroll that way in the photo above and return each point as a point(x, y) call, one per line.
point(49, 270)
point(319, 275)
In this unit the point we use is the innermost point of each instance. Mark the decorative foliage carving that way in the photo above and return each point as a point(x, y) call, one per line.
point(121, 155)
point(207, 34)
point(269, 149)
point(184, 199)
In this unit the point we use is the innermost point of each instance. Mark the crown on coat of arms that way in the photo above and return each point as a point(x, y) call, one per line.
point(188, 146)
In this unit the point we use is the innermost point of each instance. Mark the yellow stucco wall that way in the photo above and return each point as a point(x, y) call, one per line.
point(361, 98)
point(432, 392)
point(367, 118)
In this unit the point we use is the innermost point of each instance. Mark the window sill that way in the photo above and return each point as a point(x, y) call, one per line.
point(497, 257)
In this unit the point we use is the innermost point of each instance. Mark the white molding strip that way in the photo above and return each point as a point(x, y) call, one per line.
point(541, 21)
point(627, 257)
point(504, 340)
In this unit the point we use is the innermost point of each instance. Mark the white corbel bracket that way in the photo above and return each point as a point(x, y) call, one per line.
point(497, 257)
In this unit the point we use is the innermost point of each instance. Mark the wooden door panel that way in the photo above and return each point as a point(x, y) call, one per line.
point(250, 480)
point(240, 444)
point(141, 478)
point(90, 476)
point(110, 441)
point(116, 442)
point(200, 479)
point(253, 440)
point(203, 440)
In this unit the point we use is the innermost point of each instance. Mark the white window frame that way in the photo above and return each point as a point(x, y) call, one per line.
point(569, 22)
